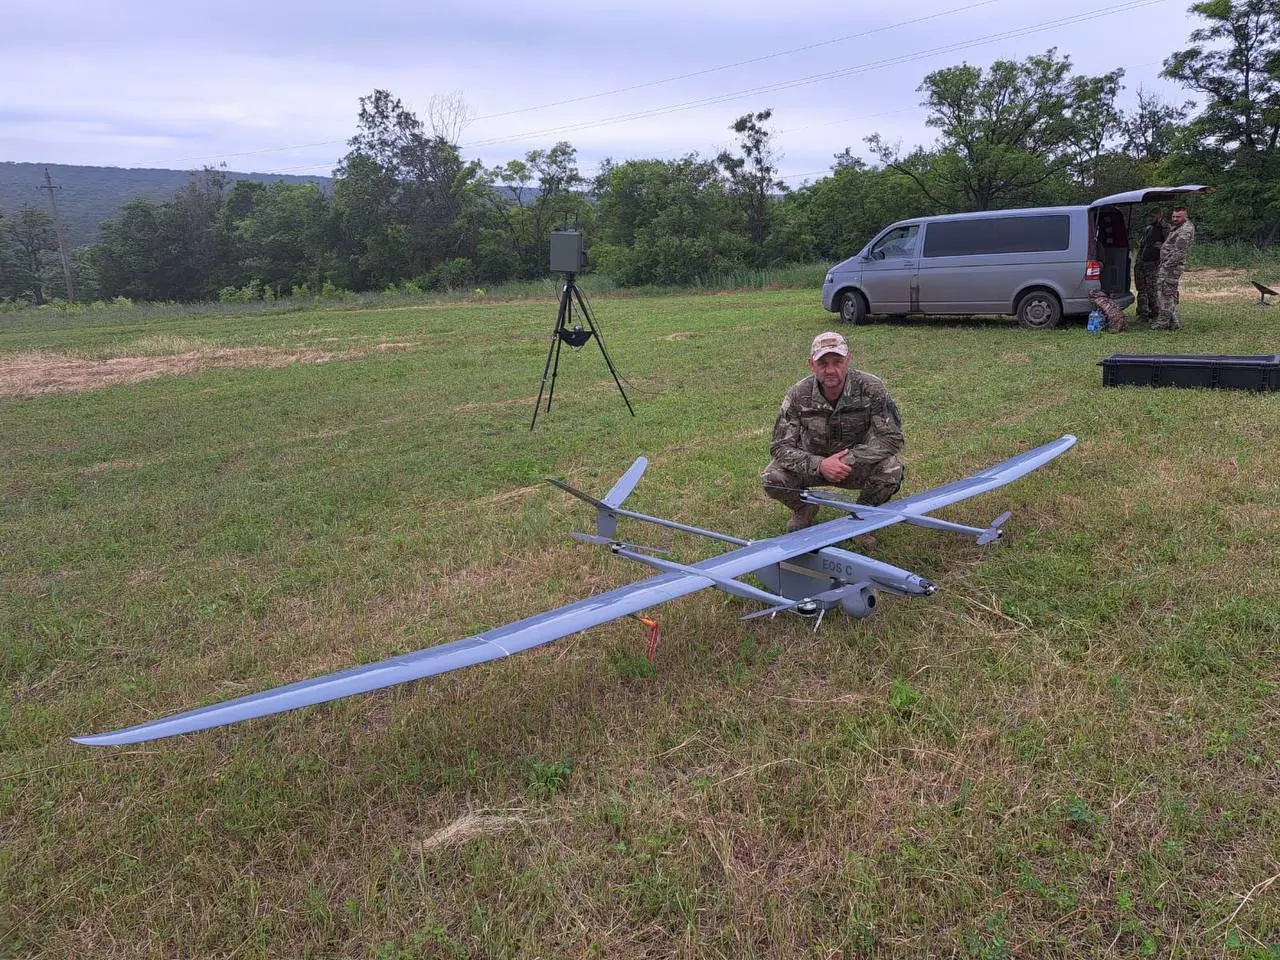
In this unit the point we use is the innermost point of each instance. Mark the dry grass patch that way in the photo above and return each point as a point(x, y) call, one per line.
point(1218, 285)
point(37, 372)
point(471, 825)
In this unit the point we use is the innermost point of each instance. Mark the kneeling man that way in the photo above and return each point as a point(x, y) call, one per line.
point(838, 426)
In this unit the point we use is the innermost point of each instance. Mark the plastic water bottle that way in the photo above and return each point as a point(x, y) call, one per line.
point(1097, 322)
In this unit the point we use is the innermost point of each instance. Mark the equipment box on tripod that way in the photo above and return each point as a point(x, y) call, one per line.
point(1180, 370)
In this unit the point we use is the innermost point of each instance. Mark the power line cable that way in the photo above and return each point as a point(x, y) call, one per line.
point(739, 63)
point(1087, 16)
point(639, 86)
point(820, 77)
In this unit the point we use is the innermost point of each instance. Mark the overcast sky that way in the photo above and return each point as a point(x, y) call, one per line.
point(275, 87)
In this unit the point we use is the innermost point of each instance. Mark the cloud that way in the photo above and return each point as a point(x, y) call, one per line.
point(137, 83)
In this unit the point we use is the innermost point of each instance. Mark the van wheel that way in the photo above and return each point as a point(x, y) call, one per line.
point(853, 309)
point(1038, 310)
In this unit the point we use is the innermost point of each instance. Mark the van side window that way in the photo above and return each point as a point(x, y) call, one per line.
point(962, 238)
point(898, 244)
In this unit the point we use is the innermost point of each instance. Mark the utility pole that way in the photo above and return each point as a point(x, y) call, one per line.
point(62, 243)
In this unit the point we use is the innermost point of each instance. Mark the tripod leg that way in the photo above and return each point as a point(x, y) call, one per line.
point(555, 369)
point(562, 320)
point(591, 324)
point(552, 349)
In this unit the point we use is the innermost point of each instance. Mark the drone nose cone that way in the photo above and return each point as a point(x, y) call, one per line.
point(928, 587)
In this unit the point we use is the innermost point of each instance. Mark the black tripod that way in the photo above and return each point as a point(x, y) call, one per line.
point(574, 337)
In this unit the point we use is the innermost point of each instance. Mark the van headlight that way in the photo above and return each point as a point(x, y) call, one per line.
point(831, 278)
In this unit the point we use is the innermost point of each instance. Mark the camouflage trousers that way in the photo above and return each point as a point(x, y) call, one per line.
point(877, 482)
point(1167, 298)
point(1144, 281)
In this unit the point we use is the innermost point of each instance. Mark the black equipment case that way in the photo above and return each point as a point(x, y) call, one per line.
point(1172, 370)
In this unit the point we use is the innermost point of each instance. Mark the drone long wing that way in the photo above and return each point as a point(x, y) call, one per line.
point(593, 611)
point(989, 479)
point(490, 645)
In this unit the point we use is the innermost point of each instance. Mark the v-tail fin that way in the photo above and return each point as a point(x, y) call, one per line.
point(626, 483)
point(606, 518)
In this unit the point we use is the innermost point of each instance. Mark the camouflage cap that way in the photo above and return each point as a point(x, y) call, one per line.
point(829, 342)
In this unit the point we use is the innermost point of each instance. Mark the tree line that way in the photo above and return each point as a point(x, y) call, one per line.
point(408, 211)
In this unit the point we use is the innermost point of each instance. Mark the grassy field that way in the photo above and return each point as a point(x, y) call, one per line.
point(1072, 750)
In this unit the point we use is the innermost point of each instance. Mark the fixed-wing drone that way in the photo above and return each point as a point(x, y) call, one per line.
point(803, 572)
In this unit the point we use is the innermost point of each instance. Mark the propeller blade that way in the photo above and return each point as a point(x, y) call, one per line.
point(815, 604)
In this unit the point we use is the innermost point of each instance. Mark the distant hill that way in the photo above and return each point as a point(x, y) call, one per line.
point(90, 195)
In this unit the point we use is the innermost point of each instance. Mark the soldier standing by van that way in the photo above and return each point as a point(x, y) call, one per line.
point(1148, 266)
point(1173, 260)
point(838, 426)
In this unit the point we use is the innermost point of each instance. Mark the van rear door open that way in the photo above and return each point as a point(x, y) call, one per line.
point(1111, 226)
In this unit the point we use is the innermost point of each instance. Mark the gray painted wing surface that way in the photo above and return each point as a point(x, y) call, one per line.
point(833, 531)
point(988, 479)
point(490, 645)
point(554, 624)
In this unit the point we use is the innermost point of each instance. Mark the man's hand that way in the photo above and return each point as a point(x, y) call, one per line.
point(834, 469)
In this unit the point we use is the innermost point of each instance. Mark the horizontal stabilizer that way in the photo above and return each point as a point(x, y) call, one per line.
point(994, 532)
point(864, 512)
point(574, 491)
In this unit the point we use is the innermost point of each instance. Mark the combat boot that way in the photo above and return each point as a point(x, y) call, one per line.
point(802, 517)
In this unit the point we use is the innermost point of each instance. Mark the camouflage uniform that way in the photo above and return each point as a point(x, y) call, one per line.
point(864, 420)
point(1146, 269)
point(1116, 322)
point(1173, 260)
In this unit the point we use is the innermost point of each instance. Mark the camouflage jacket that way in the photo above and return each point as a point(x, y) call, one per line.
point(1173, 255)
point(864, 419)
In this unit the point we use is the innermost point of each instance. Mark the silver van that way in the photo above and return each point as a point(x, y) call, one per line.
point(1037, 264)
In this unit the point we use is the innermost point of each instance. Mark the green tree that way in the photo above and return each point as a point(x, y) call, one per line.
point(26, 254)
point(843, 211)
point(181, 250)
point(526, 214)
point(752, 176)
point(1234, 63)
point(1150, 129)
point(197, 239)
point(129, 251)
point(1013, 135)
point(405, 199)
point(373, 247)
point(8, 271)
point(663, 221)
point(284, 239)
